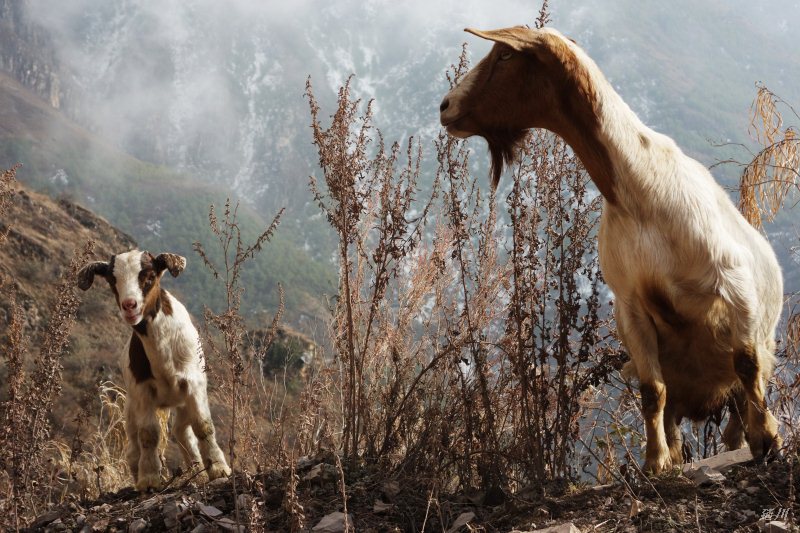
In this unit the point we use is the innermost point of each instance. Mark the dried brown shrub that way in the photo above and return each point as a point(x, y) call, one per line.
point(773, 174)
point(26, 446)
point(239, 381)
point(467, 345)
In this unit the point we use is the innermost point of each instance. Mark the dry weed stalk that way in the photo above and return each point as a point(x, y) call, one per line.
point(558, 330)
point(367, 200)
point(7, 180)
point(291, 503)
point(229, 323)
point(239, 384)
point(766, 187)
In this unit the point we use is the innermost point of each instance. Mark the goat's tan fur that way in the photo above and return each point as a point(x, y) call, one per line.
point(697, 290)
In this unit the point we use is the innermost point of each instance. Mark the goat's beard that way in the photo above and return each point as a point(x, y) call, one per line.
point(504, 145)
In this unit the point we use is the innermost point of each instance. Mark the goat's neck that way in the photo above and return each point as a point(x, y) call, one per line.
point(613, 144)
point(159, 322)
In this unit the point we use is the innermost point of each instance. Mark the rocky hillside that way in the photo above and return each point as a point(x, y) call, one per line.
point(28, 54)
point(43, 236)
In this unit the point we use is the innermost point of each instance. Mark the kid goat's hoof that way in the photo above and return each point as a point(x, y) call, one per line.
point(218, 470)
point(148, 482)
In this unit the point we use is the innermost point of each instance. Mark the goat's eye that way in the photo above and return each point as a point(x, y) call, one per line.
point(505, 56)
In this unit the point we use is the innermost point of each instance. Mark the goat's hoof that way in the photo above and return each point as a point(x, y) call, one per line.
point(658, 466)
point(218, 470)
point(765, 447)
point(147, 482)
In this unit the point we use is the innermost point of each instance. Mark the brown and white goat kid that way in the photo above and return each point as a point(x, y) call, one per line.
point(698, 290)
point(161, 366)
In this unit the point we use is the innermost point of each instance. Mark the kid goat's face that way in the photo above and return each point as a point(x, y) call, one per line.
point(134, 279)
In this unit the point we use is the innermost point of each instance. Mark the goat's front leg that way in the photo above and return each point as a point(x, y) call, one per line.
point(182, 431)
point(132, 449)
point(200, 416)
point(148, 434)
point(639, 336)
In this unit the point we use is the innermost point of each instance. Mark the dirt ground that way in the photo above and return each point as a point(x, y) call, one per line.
point(670, 503)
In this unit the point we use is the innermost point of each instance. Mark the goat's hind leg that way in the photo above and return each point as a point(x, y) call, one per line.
point(762, 428)
point(672, 429)
point(733, 436)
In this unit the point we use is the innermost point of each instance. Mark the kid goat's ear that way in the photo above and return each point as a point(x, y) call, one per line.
point(172, 262)
point(87, 273)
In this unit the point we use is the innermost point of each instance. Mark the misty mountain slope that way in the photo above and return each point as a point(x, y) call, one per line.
point(689, 68)
point(215, 90)
point(160, 207)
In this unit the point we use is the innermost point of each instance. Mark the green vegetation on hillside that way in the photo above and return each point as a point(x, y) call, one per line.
point(163, 210)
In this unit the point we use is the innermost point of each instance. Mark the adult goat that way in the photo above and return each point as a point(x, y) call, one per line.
point(698, 290)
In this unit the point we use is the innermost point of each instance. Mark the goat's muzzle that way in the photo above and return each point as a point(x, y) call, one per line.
point(130, 311)
point(452, 119)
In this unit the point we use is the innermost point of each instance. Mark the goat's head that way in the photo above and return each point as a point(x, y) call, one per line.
point(134, 279)
point(530, 79)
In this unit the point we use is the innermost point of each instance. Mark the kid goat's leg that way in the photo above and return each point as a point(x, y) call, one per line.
point(185, 437)
point(200, 416)
point(132, 449)
point(149, 434)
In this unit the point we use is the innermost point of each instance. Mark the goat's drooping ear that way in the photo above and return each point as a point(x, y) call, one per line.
point(518, 38)
point(172, 262)
point(87, 273)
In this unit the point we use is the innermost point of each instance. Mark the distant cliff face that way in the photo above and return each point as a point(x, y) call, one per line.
point(27, 53)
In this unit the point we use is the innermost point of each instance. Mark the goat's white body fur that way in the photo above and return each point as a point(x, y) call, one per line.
point(162, 369)
point(172, 345)
point(173, 348)
point(673, 227)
